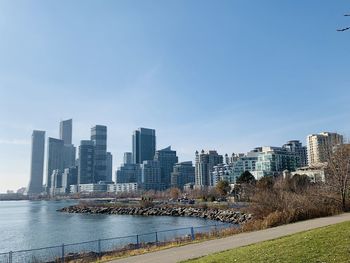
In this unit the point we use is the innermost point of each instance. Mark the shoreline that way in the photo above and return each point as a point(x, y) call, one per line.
point(215, 214)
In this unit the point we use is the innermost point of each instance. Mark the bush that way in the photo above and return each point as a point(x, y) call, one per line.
point(211, 198)
point(146, 201)
point(290, 200)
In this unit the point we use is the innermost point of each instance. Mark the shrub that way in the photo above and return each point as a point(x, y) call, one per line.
point(290, 200)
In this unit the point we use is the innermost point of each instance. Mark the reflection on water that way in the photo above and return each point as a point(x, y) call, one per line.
point(33, 224)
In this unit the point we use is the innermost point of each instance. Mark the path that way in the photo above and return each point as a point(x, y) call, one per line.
point(177, 254)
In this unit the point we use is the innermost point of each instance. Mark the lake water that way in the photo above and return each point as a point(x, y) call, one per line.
point(35, 224)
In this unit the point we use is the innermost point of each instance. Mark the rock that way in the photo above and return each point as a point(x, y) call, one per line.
point(223, 215)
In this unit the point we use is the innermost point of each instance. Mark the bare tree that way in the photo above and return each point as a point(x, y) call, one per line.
point(338, 172)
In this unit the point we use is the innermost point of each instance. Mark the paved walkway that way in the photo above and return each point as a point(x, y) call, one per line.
point(177, 254)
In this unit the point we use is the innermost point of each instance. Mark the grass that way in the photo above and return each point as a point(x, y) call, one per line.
point(322, 245)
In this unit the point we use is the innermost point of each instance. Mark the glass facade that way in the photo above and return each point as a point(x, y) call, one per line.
point(183, 173)
point(86, 162)
point(143, 145)
point(99, 138)
point(66, 131)
point(274, 160)
point(55, 158)
point(151, 176)
point(167, 159)
point(35, 185)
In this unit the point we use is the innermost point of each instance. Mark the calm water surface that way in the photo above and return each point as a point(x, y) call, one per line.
point(34, 224)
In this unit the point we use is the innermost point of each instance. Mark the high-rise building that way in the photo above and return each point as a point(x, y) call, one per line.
point(242, 163)
point(151, 175)
point(128, 173)
point(274, 160)
point(56, 182)
point(320, 145)
point(234, 167)
point(143, 145)
point(109, 169)
point(69, 177)
point(127, 158)
point(183, 173)
point(35, 185)
point(99, 137)
point(86, 162)
point(204, 166)
point(223, 172)
point(66, 131)
point(167, 159)
point(300, 150)
point(55, 160)
point(69, 153)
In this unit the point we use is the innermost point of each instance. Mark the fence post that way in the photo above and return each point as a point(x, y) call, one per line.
point(192, 233)
point(156, 238)
point(10, 257)
point(99, 248)
point(137, 241)
point(62, 259)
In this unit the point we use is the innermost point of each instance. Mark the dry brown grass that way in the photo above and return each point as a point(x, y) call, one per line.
point(287, 201)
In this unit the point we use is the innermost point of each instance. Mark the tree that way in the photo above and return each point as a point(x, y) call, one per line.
point(265, 183)
point(246, 178)
point(175, 193)
point(245, 186)
point(223, 187)
point(299, 183)
point(338, 172)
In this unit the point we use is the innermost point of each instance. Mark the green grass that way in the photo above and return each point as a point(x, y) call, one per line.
point(322, 245)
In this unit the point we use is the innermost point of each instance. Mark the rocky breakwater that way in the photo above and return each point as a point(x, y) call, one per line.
point(222, 215)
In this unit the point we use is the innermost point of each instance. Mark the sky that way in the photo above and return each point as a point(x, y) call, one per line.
point(226, 75)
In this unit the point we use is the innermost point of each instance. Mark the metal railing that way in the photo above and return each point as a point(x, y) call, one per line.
point(95, 249)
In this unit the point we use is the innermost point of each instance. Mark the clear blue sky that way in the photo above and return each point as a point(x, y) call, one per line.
point(226, 75)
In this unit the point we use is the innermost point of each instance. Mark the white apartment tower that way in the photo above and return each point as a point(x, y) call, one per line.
point(320, 145)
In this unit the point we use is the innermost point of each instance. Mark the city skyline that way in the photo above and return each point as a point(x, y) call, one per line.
point(205, 77)
point(114, 167)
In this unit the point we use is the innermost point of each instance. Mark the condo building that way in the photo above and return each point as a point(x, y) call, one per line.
point(182, 174)
point(151, 175)
point(109, 169)
point(55, 159)
point(204, 165)
point(86, 162)
point(297, 147)
point(99, 139)
point(66, 128)
point(319, 146)
point(167, 159)
point(273, 161)
point(35, 185)
point(143, 145)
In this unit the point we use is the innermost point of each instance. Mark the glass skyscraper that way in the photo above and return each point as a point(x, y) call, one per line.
point(183, 173)
point(151, 176)
point(35, 185)
point(99, 138)
point(143, 145)
point(109, 167)
point(86, 162)
point(55, 158)
point(167, 159)
point(66, 131)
